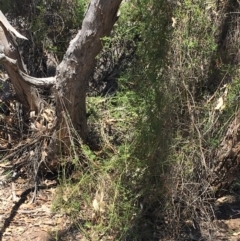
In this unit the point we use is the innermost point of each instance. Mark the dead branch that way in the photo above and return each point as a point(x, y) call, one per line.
point(38, 82)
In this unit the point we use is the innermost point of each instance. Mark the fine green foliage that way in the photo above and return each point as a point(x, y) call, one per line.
point(149, 135)
point(98, 196)
point(146, 169)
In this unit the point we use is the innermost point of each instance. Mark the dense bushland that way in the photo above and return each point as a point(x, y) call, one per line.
point(160, 100)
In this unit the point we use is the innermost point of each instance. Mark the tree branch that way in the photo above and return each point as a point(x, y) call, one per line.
point(38, 82)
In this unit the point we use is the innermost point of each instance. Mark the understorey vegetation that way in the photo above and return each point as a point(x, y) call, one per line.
point(162, 113)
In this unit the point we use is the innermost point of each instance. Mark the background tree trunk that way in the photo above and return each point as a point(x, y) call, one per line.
point(78, 63)
point(226, 159)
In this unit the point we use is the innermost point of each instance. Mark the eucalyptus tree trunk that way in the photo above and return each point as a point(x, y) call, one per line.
point(78, 64)
point(71, 80)
point(73, 72)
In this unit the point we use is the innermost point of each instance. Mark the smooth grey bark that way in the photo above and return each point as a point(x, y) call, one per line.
point(78, 63)
point(73, 72)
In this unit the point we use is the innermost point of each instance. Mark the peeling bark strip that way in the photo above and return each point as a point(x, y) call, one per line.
point(226, 161)
point(12, 62)
point(9, 27)
point(25, 93)
point(78, 63)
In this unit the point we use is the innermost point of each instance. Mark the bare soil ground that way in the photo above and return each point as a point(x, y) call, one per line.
point(23, 220)
point(228, 215)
